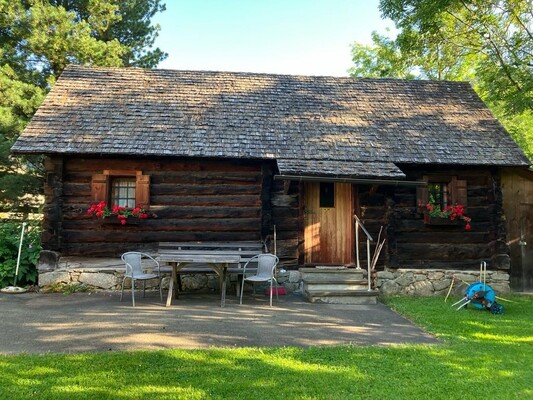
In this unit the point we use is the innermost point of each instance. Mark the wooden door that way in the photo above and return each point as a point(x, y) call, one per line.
point(329, 230)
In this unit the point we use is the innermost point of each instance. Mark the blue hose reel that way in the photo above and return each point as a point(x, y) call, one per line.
point(481, 296)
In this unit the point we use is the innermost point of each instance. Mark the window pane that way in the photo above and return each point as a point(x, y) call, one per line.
point(327, 194)
point(123, 192)
point(438, 194)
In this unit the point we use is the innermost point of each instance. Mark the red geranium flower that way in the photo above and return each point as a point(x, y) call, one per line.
point(449, 212)
point(101, 210)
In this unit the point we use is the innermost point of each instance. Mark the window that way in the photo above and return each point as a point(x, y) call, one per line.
point(438, 194)
point(441, 190)
point(327, 195)
point(128, 188)
point(123, 192)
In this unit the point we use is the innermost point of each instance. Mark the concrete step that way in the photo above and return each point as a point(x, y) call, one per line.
point(335, 285)
point(343, 296)
point(328, 275)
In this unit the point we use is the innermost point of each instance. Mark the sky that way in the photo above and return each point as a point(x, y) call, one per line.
point(296, 37)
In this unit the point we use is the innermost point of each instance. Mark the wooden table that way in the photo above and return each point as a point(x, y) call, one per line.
point(214, 261)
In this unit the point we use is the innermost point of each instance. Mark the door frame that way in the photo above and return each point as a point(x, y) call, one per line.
point(353, 210)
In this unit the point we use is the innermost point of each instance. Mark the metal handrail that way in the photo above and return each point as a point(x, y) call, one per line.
point(369, 239)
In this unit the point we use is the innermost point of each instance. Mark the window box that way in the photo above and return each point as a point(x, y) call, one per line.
point(437, 221)
point(115, 221)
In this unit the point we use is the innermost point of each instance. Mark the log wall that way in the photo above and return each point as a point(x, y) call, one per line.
point(414, 244)
point(217, 200)
point(193, 200)
point(287, 217)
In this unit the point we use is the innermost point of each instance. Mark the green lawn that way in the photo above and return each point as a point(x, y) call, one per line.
point(483, 356)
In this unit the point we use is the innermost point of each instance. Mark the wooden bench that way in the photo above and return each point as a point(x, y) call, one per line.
point(244, 249)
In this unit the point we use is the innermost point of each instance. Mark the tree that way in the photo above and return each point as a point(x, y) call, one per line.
point(128, 21)
point(487, 42)
point(38, 39)
point(381, 60)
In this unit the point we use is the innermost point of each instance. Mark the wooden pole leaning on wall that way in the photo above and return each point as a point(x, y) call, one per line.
point(275, 242)
point(358, 263)
point(368, 240)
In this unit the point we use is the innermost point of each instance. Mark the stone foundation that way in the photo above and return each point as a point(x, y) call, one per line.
point(107, 274)
point(436, 282)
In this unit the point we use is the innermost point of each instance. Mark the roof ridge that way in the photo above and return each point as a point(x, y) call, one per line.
point(261, 74)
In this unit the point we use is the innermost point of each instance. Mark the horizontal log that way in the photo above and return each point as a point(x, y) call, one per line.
point(181, 177)
point(77, 189)
point(285, 212)
point(419, 226)
point(442, 237)
point(371, 200)
point(462, 173)
point(84, 189)
point(285, 224)
point(452, 252)
point(203, 189)
point(465, 264)
point(287, 248)
point(98, 237)
point(116, 249)
point(279, 186)
point(161, 164)
point(112, 226)
point(281, 200)
point(213, 177)
point(374, 213)
point(224, 201)
point(164, 212)
point(106, 249)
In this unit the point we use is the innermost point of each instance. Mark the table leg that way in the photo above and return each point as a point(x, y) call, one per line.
point(223, 286)
point(171, 284)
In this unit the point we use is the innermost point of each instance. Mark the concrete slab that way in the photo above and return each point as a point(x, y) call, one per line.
point(82, 322)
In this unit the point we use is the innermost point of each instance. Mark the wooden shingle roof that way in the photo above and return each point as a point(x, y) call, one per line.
point(337, 121)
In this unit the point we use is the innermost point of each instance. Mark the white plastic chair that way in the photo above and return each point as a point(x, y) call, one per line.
point(266, 267)
point(135, 272)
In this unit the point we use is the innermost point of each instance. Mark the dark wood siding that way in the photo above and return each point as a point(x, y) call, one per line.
point(414, 244)
point(192, 199)
point(287, 216)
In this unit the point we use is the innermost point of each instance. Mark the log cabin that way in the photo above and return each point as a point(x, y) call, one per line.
point(225, 156)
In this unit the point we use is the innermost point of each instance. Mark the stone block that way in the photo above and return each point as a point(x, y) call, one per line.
point(442, 284)
point(422, 288)
point(293, 286)
point(194, 281)
point(385, 275)
point(460, 289)
point(55, 277)
point(499, 277)
point(390, 288)
point(406, 279)
point(98, 280)
point(470, 278)
point(283, 277)
point(295, 276)
point(500, 287)
point(435, 276)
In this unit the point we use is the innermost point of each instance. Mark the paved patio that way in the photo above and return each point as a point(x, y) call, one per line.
point(80, 322)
